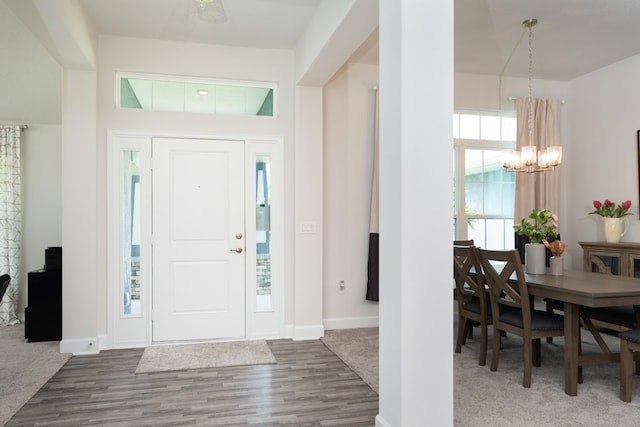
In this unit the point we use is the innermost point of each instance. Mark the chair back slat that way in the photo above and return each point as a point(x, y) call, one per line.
point(467, 272)
point(505, 278)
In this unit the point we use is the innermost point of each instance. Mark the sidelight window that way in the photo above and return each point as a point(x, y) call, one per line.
point(263, 233)
point(131, 233)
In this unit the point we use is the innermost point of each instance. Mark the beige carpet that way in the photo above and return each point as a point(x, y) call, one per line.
point(24, 368)
point(158, 358)
point(485, 398)
point(358, 349)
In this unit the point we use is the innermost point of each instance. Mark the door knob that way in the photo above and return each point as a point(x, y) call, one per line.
point(238, 236)
point(238, 250)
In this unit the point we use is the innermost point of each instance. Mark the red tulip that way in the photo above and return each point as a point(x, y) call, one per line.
point(608, 203)
point(597, 204)
point(626, 204)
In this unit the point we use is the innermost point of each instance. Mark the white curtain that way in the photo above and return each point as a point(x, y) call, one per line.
point(537, 190)
point(10, 220)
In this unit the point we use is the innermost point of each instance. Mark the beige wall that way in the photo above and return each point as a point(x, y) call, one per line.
point(348, 166)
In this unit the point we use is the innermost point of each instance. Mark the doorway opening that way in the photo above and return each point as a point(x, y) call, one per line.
point(195, 243)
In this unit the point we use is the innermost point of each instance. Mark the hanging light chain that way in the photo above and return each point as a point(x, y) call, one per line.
point(530, 23)
point(530, 159)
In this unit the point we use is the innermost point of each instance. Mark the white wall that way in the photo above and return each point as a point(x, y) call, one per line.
point(30, 78)
point(309, 225)
point(30, 81)
point(41, 197)
point(349, 103)
point(480, 91)
point(79, 250)
point(601, 158)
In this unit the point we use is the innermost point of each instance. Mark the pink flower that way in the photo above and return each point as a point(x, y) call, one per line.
point(608, 209)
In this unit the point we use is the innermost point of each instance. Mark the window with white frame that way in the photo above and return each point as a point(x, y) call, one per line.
point(195, 95)
point(484, 192)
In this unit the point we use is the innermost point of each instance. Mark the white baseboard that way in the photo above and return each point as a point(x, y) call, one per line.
point(105, 342)
point(308, 332)
point(351, 322)
point(287, 331)
point(80, 346)
point(381, 422)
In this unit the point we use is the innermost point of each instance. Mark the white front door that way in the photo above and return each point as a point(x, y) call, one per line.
point(198, 239)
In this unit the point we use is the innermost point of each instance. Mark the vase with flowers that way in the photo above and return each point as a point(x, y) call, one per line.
point(613, 216)
point(540, 225)
point(556, 248)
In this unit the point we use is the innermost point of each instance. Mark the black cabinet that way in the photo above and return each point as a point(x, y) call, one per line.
point(43, 314)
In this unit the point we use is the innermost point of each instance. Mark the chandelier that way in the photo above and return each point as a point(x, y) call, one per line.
point(210, 10)
point(529, 159)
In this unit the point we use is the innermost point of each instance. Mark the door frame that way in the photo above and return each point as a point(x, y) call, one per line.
point(129, 331)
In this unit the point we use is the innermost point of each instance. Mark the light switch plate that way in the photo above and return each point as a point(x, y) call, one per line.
point(308, 227)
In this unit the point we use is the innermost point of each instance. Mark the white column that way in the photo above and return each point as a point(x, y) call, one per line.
point(416, 145)
point(308, 214)
point(79, 274)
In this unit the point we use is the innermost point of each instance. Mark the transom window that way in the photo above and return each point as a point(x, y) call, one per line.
point(484, 193)
point(192, 95)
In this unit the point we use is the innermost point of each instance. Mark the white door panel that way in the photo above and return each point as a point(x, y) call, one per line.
point(198, 214)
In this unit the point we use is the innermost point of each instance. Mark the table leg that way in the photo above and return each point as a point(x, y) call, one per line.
point(571, 337)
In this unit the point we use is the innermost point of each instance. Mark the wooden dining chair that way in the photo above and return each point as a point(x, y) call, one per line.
point(512, 308)
point(473, 305)
point(468, 242)
point(629, 344)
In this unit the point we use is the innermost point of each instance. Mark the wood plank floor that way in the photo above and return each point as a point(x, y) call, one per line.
point(308, 386)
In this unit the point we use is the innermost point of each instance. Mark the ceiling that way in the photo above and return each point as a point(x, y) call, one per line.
point(573, 37)
point(250, 23)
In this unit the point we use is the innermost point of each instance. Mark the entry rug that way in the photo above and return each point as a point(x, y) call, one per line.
point(179, 357)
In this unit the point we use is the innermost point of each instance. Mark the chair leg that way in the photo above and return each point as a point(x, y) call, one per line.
point(528, 351)
point(495, 356)
point(483, 344)
point(549, 310)
point(626, 374)
point(536, 352)
point(462, 330)
point(579, 353)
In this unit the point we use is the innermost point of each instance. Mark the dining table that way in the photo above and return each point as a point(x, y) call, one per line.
point(583, 288)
